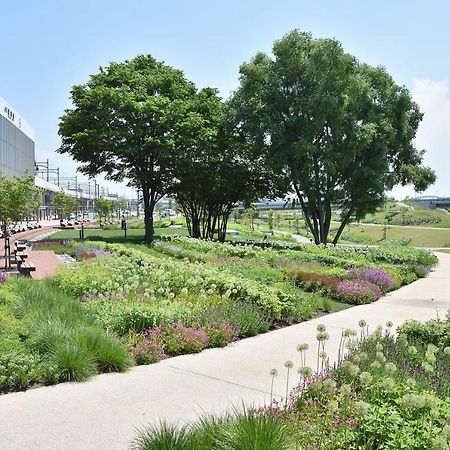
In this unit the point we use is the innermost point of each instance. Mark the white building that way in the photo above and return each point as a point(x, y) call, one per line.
point(17, 148)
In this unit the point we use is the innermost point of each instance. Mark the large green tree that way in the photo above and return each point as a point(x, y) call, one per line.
point(215, 168)
point(339, 131)
point(122, 124)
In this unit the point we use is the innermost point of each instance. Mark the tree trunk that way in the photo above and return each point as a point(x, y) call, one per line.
point(342, 226)
point(149, 206)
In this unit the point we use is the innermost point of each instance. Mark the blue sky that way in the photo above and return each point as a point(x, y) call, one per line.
point(48, 46)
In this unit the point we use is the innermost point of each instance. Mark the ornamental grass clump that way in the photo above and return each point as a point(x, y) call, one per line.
point(374, 275)
point(357, 292)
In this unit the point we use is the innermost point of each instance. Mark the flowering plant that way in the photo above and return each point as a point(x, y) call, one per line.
point(378, 277)
point(357, 291)
point(177, 339)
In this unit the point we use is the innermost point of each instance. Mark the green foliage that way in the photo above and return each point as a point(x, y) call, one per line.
point(65, 204)
point(105, 207)
point(18, 198)
point(435, 332)
point(107, 129)
point(349, 133)
point(60, 331)
point(20, 370)
point(246, 431)
point(246, 319)
point(214, 168)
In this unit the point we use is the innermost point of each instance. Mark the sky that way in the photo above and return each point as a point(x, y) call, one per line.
point(47, 46)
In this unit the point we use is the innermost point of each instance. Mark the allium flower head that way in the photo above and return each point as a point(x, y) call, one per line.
point(363, 356)
point(329, 386)
point(447, 351)
point(362, 323)
point(390, 367)
point(376, 365)
point(379, 347)
point(302, 347)
point(273, 372)
point(346, 390)
point(365, 378)
point(322, 336)
point(412, 350)
point(361, 408)
point(323, 355)
point(388, 384)
point(332, 406)
point(305, 371)
point(389, 324)
point(289, 364)
point(321, 328)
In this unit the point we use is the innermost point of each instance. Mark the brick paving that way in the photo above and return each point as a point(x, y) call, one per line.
point(46, 262)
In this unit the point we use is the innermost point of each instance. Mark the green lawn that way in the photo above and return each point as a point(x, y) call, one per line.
point(420, 237)
point(137, 235)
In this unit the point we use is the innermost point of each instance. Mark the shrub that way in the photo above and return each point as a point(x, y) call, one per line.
point(357, 292)
point(378, 277)
point(314, 281)
point(246, 319)
point(435, 332)
point(219, 333)
point(20, 370)
point(177, 339)
point(147, 351)
point(410, 278)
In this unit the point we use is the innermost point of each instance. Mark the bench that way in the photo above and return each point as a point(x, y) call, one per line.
point(26, 268)
point(21, 254)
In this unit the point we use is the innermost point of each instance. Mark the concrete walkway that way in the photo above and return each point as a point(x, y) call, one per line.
point(101, 414)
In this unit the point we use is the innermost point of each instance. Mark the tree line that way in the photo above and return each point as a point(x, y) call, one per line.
point(309, 120)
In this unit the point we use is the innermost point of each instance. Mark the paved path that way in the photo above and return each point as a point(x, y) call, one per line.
point(101, 414)
point(46, 263)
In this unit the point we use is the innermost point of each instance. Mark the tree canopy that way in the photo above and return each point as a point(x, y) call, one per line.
point(19, 198)
point(340, 132)
point(65, 204)
point(122, 123)
point(105, 207)
point(214, 168)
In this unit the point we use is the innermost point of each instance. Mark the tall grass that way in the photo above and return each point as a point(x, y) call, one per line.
point(63, 333)
point(245, 431)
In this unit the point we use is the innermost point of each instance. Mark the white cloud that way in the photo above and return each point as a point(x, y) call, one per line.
point(433, 98)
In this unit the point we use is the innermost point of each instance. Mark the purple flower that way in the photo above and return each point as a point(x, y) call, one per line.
point(378, 277)
point(2, 277)
point(357, 291)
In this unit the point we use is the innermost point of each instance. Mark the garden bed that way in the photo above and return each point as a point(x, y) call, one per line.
point(386, 392)
point(121, 305)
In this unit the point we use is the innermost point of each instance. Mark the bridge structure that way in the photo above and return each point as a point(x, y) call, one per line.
point(432, 202)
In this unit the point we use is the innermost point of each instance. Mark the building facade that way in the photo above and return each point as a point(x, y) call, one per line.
point(17, 148)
